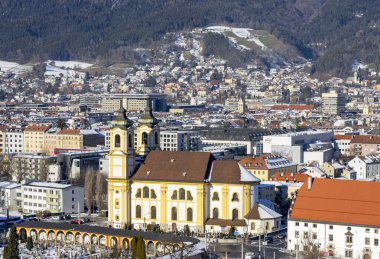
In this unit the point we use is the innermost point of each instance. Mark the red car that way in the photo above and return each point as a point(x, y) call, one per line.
point(77, 221)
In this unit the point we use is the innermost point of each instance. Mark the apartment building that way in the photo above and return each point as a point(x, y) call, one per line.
point(10, 196)
point(14, 140)
point(365, 145)
point(31, 166)
point(76, 139)
point(264, 167)
point(34, 138)
point(2, 139)
point(53, 197)
point(175, 140)
point(333, 103)
point(341, 218)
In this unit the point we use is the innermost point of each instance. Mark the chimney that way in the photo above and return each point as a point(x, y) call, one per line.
point(309, 182)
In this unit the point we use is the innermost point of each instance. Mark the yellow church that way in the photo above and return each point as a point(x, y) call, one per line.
point(173, 188)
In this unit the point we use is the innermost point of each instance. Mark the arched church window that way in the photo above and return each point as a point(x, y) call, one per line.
point(145, 192)
point(117, 140)
point(130, 140)
point(144, 138)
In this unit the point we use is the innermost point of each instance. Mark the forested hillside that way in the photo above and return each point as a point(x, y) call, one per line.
point(334, 33)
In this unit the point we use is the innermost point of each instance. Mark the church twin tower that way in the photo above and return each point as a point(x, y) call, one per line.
point(123, 150)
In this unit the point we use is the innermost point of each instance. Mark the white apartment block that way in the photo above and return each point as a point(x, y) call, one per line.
point(53, 197)
point(14, 140)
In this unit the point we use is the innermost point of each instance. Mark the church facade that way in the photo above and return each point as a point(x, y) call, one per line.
point(173, 188)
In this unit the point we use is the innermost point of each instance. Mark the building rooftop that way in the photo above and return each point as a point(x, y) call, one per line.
point(48, 185)
point(339, 202)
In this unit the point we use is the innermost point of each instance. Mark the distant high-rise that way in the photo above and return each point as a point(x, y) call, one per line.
point(333, 103)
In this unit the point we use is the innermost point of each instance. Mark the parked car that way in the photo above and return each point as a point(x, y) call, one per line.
point(67, 216)
point(77, 221)
point(281, 236)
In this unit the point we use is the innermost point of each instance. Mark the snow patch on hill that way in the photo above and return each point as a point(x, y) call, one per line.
point(6, 66)
point(70, 64)
point(243, 33)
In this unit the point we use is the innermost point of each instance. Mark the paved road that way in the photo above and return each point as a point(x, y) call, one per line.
point(274, 250)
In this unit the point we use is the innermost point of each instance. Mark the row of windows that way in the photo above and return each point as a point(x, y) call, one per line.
point(215, 196)
point(367, 230)
point(174, 213)
point(145, 193)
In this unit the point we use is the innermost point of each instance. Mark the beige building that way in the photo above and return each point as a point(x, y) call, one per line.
point(34, 138)
point(76, 139)
point(110, 104)
point(50, 141)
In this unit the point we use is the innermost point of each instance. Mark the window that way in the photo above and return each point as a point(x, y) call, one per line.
point(348, 253)
point(189, 196)
point(145, 192)
point(331, 238)
point(153, 212)
point(182, 194)
point(367, 230)
point(367, 241)
point(314, 235)
point(138, 193)
point(130, 140)
point(235, 197)
point(156, 138)
point(314, 225)
point(348, 239)
point(189, 214)
point(138, 211)
point(117, 140)
point(235, 214)
point(305, 224)
point(297, 224)
point(376, 241)
point(174, 213)
point(174, 195)
point(144, 138)
point(253, 226)
point(331, 227)
point(215, 196)
point(153, 194)
point(215, 213)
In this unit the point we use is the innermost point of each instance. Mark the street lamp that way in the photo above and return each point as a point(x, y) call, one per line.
point(260, 240)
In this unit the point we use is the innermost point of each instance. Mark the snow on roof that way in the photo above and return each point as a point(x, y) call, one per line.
point(49, 185)
point(246, 176)
point(267, 213)
point(9, 185)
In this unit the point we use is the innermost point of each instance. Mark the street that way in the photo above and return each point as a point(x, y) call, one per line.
point(277, 249)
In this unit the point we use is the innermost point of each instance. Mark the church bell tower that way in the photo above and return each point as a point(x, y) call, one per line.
point(121, 167)
point(148, 133)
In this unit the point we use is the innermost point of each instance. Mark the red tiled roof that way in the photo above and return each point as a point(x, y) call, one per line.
point(338, 201)
point(366, 139)
point(69, 132)
point(343, 137)
point(293, 107)
point(289, 177)
point(37, 128)
point(254, 163)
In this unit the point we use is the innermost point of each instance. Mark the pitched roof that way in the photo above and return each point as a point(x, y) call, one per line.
point(366, 139)
point(336, 201)
point(69, 132)
point(177, 166)
point(293, 107)
point(259, 211)
point(343, 137)
point(41, 128)
point(289, 177)
point(228, 171)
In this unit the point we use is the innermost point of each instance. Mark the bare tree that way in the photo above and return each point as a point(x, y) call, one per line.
point(101, 189)
point(310, 242)
point(89, 190)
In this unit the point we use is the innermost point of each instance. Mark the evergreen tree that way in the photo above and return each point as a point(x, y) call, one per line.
point(186, 230)
point(29, 243)
point(12, 246)
point(134, 247)
point(141, 252)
